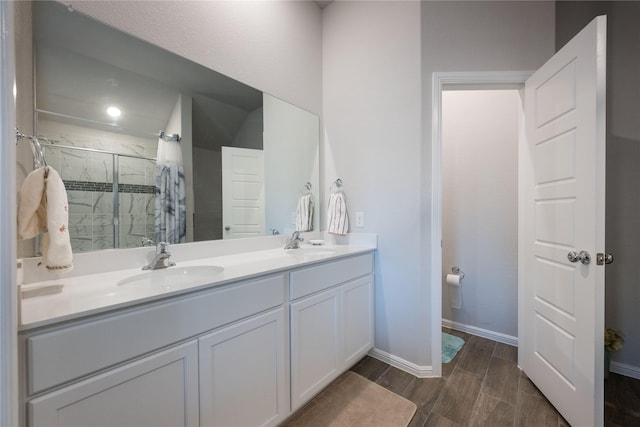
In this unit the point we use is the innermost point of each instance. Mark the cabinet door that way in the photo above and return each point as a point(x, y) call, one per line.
point(357, 320)
point(315, 340)
point(243, 373)
point(160, 390)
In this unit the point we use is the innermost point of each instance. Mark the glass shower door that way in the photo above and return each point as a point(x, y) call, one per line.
point(136, 203)
point(88, 178)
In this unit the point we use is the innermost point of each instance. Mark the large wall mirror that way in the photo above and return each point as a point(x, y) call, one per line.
point(101, 99)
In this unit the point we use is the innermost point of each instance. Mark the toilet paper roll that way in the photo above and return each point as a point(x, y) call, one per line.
point(455, 292)
point(453, 279)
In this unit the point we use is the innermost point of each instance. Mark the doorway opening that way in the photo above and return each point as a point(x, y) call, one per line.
point(480, 211)
point(447, 88)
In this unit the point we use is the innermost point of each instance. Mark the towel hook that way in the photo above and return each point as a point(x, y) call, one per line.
point(337, 183)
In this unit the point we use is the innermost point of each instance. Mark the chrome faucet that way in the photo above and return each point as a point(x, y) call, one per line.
point(294, 241)
point(161, 259)
point(147, 242)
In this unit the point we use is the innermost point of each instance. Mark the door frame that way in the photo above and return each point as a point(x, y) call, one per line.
point(440, 82)
point(8, 230)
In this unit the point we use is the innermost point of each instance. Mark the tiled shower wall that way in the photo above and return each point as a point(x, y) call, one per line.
point(88, 178)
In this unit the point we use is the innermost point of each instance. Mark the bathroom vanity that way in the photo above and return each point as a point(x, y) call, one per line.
point(247, 348)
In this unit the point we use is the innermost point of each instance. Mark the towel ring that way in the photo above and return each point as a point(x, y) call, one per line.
point(173, 137)
point(36, 148)
point(337, 183)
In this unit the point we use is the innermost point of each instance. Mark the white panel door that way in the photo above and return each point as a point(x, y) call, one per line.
point(242, 192)
point(563, 173)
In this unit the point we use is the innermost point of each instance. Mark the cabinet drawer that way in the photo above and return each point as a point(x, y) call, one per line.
point(313, 279)
point(62, 355)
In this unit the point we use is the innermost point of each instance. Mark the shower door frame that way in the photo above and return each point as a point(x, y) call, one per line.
point(115, 173)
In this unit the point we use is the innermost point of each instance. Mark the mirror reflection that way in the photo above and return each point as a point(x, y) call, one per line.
point(247, 159)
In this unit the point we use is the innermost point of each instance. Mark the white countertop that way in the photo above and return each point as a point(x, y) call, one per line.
point(90, 294)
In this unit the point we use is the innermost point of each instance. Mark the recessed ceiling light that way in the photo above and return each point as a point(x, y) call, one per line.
point(114, 111)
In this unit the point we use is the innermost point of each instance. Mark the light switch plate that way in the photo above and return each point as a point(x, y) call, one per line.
point(359, 219)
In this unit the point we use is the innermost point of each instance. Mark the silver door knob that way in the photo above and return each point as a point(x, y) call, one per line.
point(583, 257)
point(227, 228)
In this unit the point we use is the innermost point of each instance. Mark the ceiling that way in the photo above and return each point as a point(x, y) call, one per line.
point(323, 3)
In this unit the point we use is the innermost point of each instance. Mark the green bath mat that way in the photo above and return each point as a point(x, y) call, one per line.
point(450, 347)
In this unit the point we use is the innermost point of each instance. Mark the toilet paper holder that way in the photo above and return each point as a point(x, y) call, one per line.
point(456, 270)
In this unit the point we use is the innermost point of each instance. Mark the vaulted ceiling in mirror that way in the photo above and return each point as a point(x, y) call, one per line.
point(116, 65)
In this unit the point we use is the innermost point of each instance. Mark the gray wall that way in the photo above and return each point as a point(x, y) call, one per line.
point(480, 206)
point(623, 155)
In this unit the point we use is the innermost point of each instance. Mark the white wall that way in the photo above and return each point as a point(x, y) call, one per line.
point(480, 206)
point(274, 46)
point(371, 96)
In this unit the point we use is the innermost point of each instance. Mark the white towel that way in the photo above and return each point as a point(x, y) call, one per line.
point(43, 208)
point(304, 213)
point(338, 218)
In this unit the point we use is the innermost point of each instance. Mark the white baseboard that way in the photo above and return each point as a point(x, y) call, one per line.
point(615, 367)
point(484, 333)
point(624, 369)
point(427, 371)
point(403, 365)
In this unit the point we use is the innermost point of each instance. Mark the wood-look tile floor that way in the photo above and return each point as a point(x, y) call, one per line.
point(482, 386)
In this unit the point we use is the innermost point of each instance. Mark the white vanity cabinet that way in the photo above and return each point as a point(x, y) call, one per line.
point(189, 361)
point(332, 323)
point(241, 354)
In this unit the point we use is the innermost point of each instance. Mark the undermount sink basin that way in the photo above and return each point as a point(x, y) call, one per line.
point(311, 250)
point(172, 277)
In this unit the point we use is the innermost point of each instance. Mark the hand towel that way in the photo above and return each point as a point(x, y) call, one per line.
point(304, 213)
point(337, 214)
point(43, 208)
